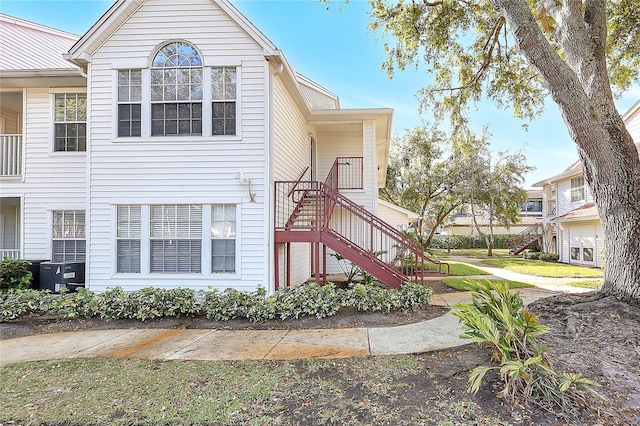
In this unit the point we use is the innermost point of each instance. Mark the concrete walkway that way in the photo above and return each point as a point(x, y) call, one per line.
point(189, 344)
point(213, 344)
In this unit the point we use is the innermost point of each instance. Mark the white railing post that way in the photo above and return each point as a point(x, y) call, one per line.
point(12, 254)
point(10, 155)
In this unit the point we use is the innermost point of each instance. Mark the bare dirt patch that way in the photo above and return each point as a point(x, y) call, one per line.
point(599, 338)
point(595, 336)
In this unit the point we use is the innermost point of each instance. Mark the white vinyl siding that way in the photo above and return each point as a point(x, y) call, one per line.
point(181, 169)
point(292, 155)
point(633, 126)
point(53, 180)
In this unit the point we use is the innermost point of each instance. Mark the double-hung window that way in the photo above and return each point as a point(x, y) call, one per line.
point(223, 96)
point(129, 103)
point(176, 238)
point(577, 189)
point(68, 236)
point(223, 238)
point(176, 91)
point(128, 239)
point(70, 122)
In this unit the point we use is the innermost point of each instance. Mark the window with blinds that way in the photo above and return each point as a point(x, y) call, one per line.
point(68, 236)
point(128, 239)
point(577, 189)
point(176, 238)
point(223, 238)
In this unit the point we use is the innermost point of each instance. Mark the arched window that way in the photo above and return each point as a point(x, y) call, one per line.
point(176, 91)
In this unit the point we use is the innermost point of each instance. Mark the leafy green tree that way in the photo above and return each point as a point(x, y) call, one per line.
point(423, 179)
point(494, 187)
point(518, 52)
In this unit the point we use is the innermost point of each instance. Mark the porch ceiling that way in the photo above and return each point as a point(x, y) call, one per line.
point(344, 128)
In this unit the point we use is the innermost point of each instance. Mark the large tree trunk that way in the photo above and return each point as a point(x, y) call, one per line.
point(582, 90)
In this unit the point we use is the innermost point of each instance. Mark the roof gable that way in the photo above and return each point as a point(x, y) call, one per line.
point(28, 46)
point(120, 12)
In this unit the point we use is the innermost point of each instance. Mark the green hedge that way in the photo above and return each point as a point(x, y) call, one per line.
point(468, 241)
point(14, 274)
point(148, 303)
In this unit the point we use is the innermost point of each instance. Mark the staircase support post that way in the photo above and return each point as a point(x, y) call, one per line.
point(288, 263)
point(324, 264)
point(276, 271)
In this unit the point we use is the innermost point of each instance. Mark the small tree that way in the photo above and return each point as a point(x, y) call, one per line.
point(496, 190)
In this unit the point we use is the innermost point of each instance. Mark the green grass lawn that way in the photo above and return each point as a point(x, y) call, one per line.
point(593, 284)
point(467, 283)
point(545, 269)
point(460, 269)
point(350, 391)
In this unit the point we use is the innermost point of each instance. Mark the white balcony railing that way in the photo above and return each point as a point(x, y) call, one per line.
point(10, 253)
point(10, 155)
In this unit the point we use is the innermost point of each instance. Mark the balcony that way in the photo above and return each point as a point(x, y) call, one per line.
point(10, 156)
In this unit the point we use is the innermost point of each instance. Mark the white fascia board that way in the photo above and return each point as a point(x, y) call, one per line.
point(80, 51)
point(635, 107)
point(288, 75)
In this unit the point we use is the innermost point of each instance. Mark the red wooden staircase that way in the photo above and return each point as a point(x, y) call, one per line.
point(316, 212)
point(525, 239)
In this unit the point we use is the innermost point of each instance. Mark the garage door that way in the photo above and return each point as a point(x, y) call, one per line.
point(582, 244)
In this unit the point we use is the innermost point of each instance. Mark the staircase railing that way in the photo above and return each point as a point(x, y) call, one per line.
point(333, 213)
point(518, 243)
point(346, 173)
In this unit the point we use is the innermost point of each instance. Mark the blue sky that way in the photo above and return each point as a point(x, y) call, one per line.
point(334, 48)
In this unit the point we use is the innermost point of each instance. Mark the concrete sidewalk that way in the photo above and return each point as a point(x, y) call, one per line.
point(188, 344)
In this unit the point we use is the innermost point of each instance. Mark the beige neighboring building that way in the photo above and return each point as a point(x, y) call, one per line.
point(572, 227)
point(531, 214)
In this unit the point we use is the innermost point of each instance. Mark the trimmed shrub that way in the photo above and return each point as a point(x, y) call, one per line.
point(16, 303)
point(308, 299)
point(14, 274)
point(549, 257)
point(498, 319)
point(468, 241)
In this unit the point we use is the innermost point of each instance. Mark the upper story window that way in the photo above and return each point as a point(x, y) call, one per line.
point(129, 102)
point(577, 189)
point(70, 122)
point(176, 91)
point(223, 96)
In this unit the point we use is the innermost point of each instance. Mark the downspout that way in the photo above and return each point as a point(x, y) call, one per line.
point(270, 225)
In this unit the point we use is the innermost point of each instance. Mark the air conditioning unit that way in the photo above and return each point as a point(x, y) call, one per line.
point(55, 276)
point(34, 268)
